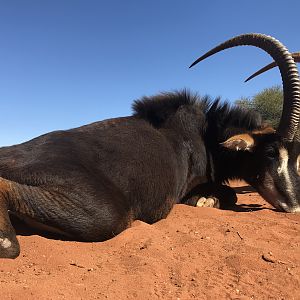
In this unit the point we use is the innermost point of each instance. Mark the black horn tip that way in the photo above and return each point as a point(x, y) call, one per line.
point(194, 63)
point(249, 78)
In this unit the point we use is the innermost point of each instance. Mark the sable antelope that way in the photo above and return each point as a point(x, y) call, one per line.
point(91, 182)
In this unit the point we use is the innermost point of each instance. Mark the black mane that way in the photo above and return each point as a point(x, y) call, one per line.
point(157, 109)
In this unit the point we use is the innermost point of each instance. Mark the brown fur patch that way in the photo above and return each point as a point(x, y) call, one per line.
point(11, 193)
point(5, 185)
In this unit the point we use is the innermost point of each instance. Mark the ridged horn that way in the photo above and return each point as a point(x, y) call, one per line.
point(295, 55)
point(290, 78)
point(297, 135)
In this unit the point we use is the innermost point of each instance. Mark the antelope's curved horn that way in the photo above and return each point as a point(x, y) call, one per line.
point(295, 55)
point(290, 78)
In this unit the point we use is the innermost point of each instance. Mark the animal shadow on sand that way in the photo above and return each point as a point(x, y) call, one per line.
point(243, 190)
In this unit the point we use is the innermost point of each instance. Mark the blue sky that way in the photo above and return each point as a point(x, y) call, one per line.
point(65, 63)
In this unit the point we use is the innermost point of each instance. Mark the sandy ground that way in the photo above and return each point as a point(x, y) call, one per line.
point(250, 252)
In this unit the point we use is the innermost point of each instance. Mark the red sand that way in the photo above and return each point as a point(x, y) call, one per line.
point(251, 252)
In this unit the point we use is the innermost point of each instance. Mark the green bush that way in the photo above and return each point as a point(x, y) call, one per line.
point(267, 102)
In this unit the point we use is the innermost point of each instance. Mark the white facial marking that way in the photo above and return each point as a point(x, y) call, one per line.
point(298, 163)
point(283, 159)
point(5, 243)
point(284, 172)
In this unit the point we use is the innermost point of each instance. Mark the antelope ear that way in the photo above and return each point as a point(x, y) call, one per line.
point(243, 142)
point(265, 130)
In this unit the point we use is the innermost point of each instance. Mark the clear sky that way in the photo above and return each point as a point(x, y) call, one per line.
point(66, 63)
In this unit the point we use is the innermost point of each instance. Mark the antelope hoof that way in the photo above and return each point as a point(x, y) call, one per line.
point(208, 202)
point(9, 247)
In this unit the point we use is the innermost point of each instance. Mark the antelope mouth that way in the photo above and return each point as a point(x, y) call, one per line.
point(284, 203)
